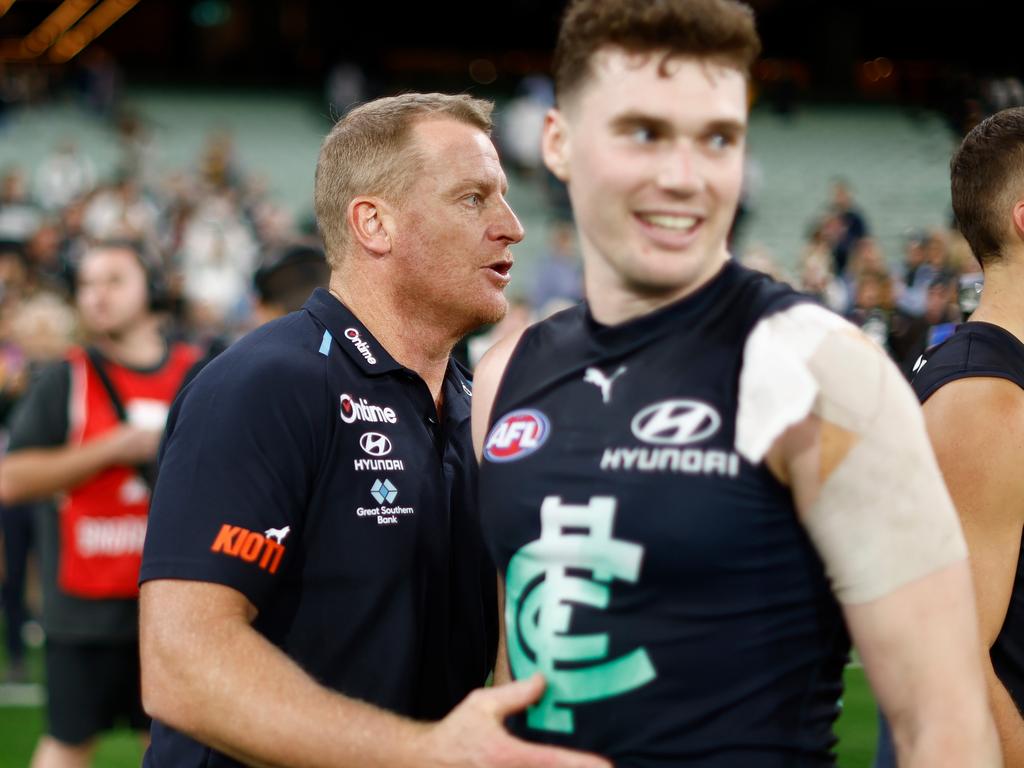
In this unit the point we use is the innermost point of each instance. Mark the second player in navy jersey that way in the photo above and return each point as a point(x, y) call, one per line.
point(972, 390)
point(696, 484)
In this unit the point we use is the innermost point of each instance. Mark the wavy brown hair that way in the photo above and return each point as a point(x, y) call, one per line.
point(716, 29)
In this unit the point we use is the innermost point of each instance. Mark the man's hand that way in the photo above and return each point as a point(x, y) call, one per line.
point(473, 734)
point(132, 445)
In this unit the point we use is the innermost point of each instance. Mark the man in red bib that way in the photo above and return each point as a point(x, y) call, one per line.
point(87, 433)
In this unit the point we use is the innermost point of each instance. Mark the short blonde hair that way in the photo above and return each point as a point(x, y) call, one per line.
point(369, 152)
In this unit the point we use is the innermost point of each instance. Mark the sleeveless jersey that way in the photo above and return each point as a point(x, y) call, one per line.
point(983, 349)
point(662, 583)
point(103, 520)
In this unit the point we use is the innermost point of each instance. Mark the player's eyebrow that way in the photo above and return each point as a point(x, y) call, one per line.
point(630, 120)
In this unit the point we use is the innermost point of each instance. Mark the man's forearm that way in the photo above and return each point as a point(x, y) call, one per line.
point(39, 473)
point(228, 687)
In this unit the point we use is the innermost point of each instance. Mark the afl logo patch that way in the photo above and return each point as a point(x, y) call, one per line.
point(516, 435)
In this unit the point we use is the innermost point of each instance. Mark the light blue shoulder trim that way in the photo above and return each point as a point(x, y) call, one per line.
point(325, 345)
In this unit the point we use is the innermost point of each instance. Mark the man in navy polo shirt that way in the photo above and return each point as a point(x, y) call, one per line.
point(314, 576)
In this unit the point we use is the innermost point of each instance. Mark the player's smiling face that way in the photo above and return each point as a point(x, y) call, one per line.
point(652, 150)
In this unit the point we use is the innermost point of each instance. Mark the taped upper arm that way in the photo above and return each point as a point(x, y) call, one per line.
point(821, 401)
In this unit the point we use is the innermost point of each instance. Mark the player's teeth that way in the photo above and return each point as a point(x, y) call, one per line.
point(671, 222)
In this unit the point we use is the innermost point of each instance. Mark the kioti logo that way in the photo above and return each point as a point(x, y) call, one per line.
point(250, 546)
point(516, 435)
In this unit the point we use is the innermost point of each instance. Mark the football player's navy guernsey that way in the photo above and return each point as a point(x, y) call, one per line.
point(983, 349)
point(349, 508)
point(662, 583)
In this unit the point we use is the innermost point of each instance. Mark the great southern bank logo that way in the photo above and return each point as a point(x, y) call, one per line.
point(517, 435)
point(383, 491)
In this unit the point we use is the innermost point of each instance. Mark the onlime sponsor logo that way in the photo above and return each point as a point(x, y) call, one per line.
point(352, 334)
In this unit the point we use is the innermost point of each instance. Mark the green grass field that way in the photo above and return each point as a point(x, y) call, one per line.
point(21, 726)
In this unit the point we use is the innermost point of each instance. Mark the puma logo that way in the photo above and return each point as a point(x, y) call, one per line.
point(604, 383)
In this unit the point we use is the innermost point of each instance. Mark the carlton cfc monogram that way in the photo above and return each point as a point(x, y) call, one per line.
point(543, 581)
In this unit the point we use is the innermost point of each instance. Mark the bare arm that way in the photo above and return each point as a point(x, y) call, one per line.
point(208, 673)
point(976, 426)
point(502, 673)
point(485, 388)
point(39, 473)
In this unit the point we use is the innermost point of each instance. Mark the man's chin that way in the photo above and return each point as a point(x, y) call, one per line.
point(487, 313)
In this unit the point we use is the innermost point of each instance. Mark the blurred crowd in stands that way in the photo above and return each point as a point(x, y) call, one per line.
point(904, 303)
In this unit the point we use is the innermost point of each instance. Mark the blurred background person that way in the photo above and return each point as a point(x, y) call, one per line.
point(88, 430)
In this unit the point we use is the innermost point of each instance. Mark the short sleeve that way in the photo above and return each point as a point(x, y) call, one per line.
point(40, 419)
point(237, 468)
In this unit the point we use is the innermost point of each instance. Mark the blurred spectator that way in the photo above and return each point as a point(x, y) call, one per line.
point(63, 176)
point(521, 121)
point(218, 166)
point(121, 211)
point(559, 274)
point(911, 335)
point(282, 284)
point(34, 333)
point(850, 223)
point(873, 304)
point(817, 280)
point(217, 259)
point(43, 253)
point(917, 274)
point(19, 216)
point(138, 149)
point(88, 429)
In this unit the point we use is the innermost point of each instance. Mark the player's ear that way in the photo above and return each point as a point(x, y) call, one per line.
point(555, 144)
point(367, 221)
point(1018, 219)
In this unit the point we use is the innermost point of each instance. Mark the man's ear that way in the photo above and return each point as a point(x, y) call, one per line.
point(1018, 219)
point(555, 144)
point(367, 221)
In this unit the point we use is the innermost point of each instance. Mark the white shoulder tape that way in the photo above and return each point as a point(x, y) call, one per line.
point(777, 388)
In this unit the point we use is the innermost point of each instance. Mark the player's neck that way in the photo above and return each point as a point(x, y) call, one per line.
point(412, 340)
point(139, 346)
point(1002, 298)
point(613, 301)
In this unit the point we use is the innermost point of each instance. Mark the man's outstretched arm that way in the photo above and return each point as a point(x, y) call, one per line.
point(209, 674)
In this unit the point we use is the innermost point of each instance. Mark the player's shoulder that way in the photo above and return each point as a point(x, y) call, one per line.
point(804, 359)
point(280, 357)
point(976, 350)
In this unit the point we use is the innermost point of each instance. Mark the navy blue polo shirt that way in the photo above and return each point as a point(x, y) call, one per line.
point(310, 471)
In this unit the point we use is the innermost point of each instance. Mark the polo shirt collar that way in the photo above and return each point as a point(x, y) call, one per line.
point(350, 334)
